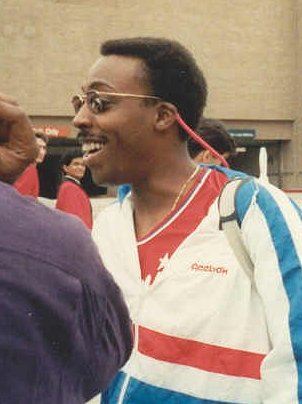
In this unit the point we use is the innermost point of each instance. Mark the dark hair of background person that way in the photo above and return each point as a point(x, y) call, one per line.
point(87, 182)
point(50, 171)
point(67, 157)
point(216, 135)
point(171, 73)
point(41, 135)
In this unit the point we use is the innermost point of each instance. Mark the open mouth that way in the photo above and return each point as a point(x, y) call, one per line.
point(90, 146)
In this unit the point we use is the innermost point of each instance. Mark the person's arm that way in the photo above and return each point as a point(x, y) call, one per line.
point(103, 319)
point(108, 337)
point(272, 231)
point(18, 145)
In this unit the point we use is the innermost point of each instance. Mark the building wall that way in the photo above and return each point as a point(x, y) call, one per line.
point(249, 51)
point(292, 152)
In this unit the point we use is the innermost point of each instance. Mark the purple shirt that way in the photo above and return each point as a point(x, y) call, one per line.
point(64, 327)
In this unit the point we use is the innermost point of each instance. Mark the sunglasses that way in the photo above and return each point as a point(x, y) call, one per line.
point(97, 101)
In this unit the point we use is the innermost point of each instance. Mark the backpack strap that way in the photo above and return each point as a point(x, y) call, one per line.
point(228, 222)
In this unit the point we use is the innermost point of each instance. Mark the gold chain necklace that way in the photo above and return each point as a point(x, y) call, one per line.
point(184, 187)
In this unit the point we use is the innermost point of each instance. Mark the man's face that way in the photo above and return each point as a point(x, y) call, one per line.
point(42, 149)
point(76, 168)
point(118, 140)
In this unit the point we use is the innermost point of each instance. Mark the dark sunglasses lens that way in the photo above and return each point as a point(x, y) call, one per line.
point(95, 102)
point(77, 102)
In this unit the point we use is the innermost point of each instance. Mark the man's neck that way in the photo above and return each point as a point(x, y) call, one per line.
point(71, 178)
point(154, 199)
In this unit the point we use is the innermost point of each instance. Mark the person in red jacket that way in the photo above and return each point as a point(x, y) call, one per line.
point(71, 197)
point(28, 182)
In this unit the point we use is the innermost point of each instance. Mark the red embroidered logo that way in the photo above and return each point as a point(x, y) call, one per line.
point(209, 268)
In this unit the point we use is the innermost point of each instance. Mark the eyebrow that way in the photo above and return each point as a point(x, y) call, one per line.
point(97, 85)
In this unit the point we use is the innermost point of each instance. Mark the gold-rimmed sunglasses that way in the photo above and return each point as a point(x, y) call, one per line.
point(97, 101)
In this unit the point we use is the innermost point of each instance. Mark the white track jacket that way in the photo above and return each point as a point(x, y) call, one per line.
point(203, 332)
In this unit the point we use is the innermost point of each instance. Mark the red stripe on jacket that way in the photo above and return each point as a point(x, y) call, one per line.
point(199, 355)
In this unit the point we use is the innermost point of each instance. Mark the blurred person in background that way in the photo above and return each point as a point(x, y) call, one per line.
point(216, 135)
point(28, 182)
point(71, 197)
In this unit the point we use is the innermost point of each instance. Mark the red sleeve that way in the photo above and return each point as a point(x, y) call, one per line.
point(28, 182)
point(73, 199)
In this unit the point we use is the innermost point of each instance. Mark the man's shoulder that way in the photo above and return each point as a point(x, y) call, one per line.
point(269, 198)
point(67, 186)
point(108, 219)
point(228, 172)
point(107, 207)
point(49, 232)
point(67, 244)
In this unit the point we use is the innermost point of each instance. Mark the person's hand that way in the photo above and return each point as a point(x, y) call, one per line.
point(18, 146)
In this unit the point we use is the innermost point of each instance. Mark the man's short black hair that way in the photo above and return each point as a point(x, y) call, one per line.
point(67, 157)
point(216, 135)
point(172, 72)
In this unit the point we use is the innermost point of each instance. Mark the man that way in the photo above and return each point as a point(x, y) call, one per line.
point(203, 332)
point(217, 136)
point(71, 196)
point(28, 182)
point(64, 327)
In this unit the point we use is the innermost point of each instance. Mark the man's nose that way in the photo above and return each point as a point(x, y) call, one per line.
point(82, 119)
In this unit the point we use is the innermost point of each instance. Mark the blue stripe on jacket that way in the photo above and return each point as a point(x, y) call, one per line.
point(288, 260)
point(139, 392)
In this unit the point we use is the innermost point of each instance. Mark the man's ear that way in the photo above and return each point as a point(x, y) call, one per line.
point(207, 157)
point(165, 116)
point(204, 157)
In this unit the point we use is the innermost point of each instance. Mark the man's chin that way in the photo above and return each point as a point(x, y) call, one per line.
point(97, 178)
point(102, 178)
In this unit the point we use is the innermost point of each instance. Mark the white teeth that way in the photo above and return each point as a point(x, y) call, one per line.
point(91, 147)
point(97, 146)
point(85, 147)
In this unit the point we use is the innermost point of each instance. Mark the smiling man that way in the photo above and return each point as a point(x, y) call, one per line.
point(204, 331)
